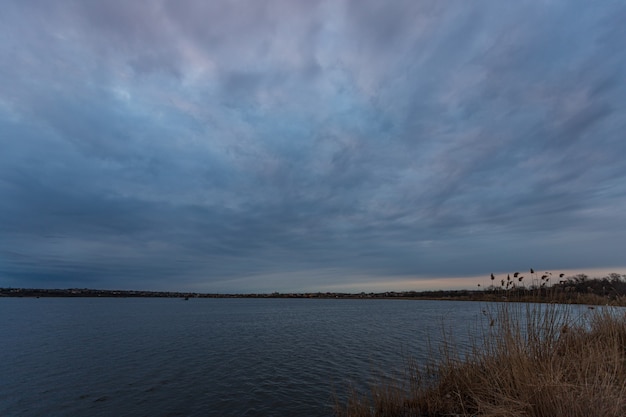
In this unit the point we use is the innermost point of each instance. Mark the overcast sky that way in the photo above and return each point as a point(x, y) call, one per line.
point(283, 145)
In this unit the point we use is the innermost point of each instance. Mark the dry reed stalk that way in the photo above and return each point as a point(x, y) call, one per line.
point(536, 360)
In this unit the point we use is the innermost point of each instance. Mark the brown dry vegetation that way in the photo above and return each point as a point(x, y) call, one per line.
point(532, 360)
point(536, 287)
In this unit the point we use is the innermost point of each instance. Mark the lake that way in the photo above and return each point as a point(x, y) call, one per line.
point(209, 357)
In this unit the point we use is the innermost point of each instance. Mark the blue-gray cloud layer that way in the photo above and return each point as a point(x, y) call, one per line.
point(194, 144)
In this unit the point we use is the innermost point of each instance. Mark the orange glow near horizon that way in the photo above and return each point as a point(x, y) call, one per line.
point(461, 283)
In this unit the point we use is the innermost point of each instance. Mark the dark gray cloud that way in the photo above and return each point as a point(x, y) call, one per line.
point(278, 145)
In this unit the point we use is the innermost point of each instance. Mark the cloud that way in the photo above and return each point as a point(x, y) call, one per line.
point(239, 146)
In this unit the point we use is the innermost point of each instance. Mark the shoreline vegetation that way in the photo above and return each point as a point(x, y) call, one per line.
point(578, 289)
point(536, 356)
point(532, 360)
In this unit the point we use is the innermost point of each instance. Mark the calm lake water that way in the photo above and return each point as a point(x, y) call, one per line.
point(208, 357)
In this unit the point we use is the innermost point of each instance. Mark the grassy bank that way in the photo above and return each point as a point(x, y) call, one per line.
point(530, 360)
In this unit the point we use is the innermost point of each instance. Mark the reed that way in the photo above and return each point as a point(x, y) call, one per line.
point(535, 287)
point(528, 360)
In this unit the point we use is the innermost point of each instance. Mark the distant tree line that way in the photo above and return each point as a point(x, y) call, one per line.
point(610, 289)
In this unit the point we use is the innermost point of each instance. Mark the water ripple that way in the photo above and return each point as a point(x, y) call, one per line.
point(207, 357)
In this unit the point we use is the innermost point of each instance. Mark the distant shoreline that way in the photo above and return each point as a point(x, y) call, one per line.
point(588, 291)
point(89, 293)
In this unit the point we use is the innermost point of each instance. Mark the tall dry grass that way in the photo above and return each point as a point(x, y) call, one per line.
point(530, 360)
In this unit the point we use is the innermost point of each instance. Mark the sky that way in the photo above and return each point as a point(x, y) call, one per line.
point(291, 146)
